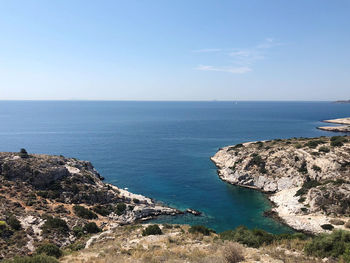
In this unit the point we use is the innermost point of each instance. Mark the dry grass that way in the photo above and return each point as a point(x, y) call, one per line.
point(233, 253)
point(126, 244)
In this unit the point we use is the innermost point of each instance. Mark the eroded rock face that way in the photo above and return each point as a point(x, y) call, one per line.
point(318, 168)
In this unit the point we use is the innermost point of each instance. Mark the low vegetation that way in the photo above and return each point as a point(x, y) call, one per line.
point(152, 230)
point(200, 229)
point(83, 212)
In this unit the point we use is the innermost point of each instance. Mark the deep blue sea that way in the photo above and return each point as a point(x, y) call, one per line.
point(163, 149)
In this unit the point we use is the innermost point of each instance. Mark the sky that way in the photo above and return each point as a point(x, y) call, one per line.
point(174, 50)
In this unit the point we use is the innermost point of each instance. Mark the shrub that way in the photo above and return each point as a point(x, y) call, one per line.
point(306, 186)
point(337, 141)
point(327, 227)
point(316, 168)
point(301, 199)
point(152, 230)
point(200, 229)
point(329, 245)
point(55, 223)
point(14, 223)
point(91, 228)
point(42, 258)
point(120, 208)
point(303, 168)
point(23, 153)
point(253, 238)
point(233, 253)
point(314, 143)
point(102, 210)
point(136, 201)
point(84, 212)
point(78, 231)
point(49, 250)
point(324, 149)
point(298, 146)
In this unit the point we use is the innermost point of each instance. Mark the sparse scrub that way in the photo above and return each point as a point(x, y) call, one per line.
point(200, 229)
point(42, 258)
point(329, 245)
point(306, 186)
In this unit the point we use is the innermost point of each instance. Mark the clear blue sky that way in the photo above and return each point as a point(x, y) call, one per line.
point(175, 50)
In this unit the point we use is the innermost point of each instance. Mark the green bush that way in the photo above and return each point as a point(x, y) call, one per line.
point(327, 227)
point(136, 201)
point(200, 229)
point(120, 208)
point(337, 141)
point(42, 258)
point(102, 210)
point(314, 143)
point(306, 186)
point(55, 223)
point(23, 153)
point(84, 212)
point(78, 231)
point(14, 223)
point(316, 168)
point(329, 245)
point(252, 238)
point(49, 250)
point(152, 230)
point(91, 228)
point(324, 149)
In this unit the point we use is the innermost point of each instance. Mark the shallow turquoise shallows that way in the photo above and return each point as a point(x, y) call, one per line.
point(163, 149)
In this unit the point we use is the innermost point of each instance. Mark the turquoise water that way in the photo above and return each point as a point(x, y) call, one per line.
point(162, 149)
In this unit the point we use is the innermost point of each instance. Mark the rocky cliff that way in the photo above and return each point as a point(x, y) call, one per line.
point(308, 179)
point(58, 200)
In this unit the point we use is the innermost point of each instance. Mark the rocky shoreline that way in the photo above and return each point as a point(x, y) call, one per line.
point(307, 179)
point(344, 125)
point(54, 199)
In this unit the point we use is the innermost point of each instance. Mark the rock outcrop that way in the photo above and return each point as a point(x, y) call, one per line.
point(308, 179)
point(47, 198)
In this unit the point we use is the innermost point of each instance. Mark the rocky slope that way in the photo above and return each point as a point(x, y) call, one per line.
point(308, 179)
point(53, 199)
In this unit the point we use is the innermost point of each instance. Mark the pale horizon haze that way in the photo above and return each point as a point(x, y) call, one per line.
point(174, 50)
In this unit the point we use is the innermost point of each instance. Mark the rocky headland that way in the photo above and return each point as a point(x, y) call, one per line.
point(307, 179)
point(57, 200)
point(344, 125)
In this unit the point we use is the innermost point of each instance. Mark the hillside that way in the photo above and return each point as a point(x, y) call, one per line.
point(56, 199)
point(307, 179)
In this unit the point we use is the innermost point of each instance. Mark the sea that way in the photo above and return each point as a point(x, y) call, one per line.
point(162, 149)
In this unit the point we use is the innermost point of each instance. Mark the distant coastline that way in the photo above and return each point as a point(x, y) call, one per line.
point(344, 125)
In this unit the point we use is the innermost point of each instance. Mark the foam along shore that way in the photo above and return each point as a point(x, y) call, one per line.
point(306, 179)
point(344, 122)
